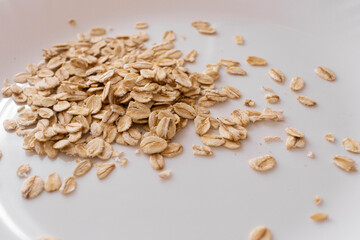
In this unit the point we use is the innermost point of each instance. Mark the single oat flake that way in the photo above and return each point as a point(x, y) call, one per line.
point(52, 182)
point(260, 233)
point(202, 150)
point(351, 145)
point(306, 101)
point(344, 163)
point(82, 168)
point(325, 73)
point(297, 84)
point(104, 169)
point(319, 217)
point(277, 75)
point(263, 163)
point(32, 187)
point(68, 186)
point(256, 61)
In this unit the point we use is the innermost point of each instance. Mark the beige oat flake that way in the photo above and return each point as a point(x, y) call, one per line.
point(256, 61)
point(277, 75)
point(260, 233)
point(9, 125)
point(319, 217)
point(272, 98)
point(345, 163)
point(104, 169)
point(325, 73)
point(263, 163)
point(52, 182)
point(68, 186)
point(157, 161)
point(306, 101)
point(32, 187)
point(202, 150)
point(351, 145)
point(297, 84)
point(82, 168)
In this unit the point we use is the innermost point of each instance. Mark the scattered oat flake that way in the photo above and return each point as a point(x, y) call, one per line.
point(82, 168)
point(330, 137)
point(272, 98)
point(191, 56)
point(32, 187)
point(239, 40)
point(260, 233)
point(344, 163)
point(351, 145)
point(318, 200)
point(23, 170)
point(72, 22)
point(234, 70)
point(9, 124)
point(202, 150)
point(277, 75)
point(141, 25)
point(104, 169)
point(319, 217)
point(297, 84)
point(166, 174)
point(268, 89)
point(52, 182)
point(1, 154)
point(306, 101)
point(325, 73)
point(68, 186)
point(137, 151)
point(263, 163)
point(272, 139)
point(294, 132)
point(256, 61)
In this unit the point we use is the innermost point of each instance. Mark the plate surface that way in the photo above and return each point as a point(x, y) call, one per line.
point(211, 198)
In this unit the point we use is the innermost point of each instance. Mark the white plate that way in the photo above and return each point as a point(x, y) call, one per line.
point(208, 198)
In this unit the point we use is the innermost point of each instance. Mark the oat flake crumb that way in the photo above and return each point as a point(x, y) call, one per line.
point(239, 40)
point(311, 155)
point(166, 174)
point(72, 22)
point(317, 200)
point(272, 139)
point(330, 137)
point(141, 25)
